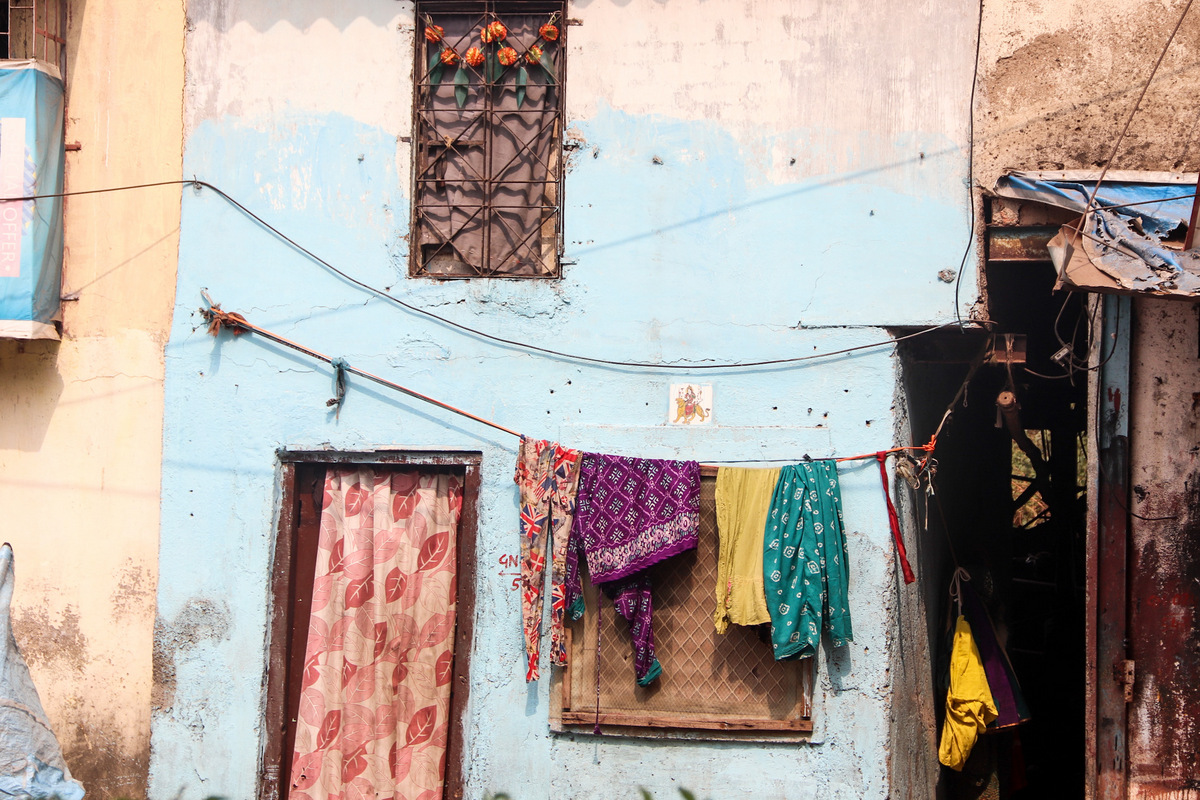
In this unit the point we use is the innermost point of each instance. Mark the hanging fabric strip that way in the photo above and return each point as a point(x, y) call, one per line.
point(894, 519)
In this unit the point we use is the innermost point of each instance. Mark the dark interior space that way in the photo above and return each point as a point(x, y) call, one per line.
point(1009, 508)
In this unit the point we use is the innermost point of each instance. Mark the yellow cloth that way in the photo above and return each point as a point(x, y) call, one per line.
point(743, 498)
point(969, 703)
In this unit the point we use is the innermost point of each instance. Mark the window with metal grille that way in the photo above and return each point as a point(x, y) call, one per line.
point(488, 102)
point(34, 29)
point(711, 682)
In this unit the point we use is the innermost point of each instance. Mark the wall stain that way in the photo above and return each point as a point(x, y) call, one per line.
point(99, 756)
point(134, 594)
point(201, 620)
point(47, 645)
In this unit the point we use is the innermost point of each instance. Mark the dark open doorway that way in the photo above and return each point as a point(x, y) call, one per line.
point(1010, 505)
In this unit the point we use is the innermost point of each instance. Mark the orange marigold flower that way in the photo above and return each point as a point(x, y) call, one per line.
point(434, 33)
point(449, 57)
point(548, 32)
point(493, 32)
point(506, 56)
point(534, 56)
point(473, 57)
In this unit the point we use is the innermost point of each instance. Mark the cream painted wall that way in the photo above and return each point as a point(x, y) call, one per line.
point(80, 420)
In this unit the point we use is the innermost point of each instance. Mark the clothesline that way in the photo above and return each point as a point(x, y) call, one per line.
point(218, 319)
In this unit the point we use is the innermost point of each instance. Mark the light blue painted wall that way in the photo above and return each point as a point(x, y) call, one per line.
point(709, 256)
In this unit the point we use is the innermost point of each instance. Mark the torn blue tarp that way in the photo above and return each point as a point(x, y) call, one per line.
point(1129, 242)
point(31, 762)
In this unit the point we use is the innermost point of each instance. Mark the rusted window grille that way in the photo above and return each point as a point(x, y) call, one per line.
point(710, 682)
point(34, 29)
point(487, 194)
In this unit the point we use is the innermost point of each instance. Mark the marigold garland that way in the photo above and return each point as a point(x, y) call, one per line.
point(474, 57)
point(434, 33)
point(534, 56)
point(449, 57)
point(506, 56)
point(548, 32)
point(493, 32)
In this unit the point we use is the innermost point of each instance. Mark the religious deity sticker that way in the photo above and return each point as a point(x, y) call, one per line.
point(690, 404)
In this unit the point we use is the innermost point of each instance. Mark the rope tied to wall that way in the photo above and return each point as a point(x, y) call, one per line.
point(340, 365)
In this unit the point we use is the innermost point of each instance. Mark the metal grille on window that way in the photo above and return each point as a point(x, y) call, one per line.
point(710, 681)
point(488, 133)
point(34, 29)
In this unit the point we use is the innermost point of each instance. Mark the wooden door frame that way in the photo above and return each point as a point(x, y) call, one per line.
point(272, 758)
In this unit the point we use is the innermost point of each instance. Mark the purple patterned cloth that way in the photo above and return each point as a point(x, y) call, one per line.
point(631, 513)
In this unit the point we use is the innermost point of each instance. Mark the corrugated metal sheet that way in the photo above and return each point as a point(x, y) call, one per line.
point(1129, 243)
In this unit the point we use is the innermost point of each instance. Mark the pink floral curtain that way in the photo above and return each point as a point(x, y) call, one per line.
point(374, 710)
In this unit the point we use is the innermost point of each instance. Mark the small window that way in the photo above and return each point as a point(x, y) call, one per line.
point(711, 682)
point(34, 29)
point(487, 192)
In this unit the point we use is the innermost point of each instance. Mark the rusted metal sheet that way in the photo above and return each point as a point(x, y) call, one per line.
point(1020, 243)
point(1164, 585)
point(1107, 563)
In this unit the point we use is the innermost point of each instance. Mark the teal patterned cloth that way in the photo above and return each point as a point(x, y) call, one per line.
point(805, 571)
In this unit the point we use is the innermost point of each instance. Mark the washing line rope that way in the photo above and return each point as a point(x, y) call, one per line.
point(219, 319)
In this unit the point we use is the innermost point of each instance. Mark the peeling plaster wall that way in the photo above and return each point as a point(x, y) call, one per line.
point(1057, 81)
point(80, 420)
point(1164, 625)
point(811, 189)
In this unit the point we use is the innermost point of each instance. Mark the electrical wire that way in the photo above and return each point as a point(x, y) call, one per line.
point(970, 168)
point(196, 182)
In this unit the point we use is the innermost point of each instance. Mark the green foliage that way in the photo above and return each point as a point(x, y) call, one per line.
point(460, 87)
point(522, 82)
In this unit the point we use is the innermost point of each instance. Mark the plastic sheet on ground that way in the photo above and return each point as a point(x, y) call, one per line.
point(31, 762)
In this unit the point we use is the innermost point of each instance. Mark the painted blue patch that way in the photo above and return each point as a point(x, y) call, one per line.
point(695, 260)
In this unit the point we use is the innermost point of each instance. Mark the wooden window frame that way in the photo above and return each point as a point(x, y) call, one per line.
point(486, 9)
point(287, 600)
point(698, 725)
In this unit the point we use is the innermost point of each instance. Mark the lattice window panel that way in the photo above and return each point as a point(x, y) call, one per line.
point(710, 681)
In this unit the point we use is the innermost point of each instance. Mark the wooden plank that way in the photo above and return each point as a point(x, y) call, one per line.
point(309, 489)
point(276, 675)
point(464, 633)
point(1111, 555)
point(679, 722)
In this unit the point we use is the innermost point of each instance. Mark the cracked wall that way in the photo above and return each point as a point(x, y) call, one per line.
point(80, 420)
point(729, 201)
point(1057, 82)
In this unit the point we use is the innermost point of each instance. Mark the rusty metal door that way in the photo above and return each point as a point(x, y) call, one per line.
point(1108, 481)
point(1164, 557)
point(1144, 568)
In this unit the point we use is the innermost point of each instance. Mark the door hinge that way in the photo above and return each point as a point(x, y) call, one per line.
point(1123, 673)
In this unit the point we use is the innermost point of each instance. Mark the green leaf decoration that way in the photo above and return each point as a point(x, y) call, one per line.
point(492, 68)
point(522, 82)
point(548, 65)
point(461, 79)
point(436, 67)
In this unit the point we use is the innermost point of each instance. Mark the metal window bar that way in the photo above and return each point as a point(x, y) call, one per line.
point(518, 239)
point(34, 29)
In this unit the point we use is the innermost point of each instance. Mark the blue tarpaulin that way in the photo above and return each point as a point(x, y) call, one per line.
point(31, 231)
point(1123, 243)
